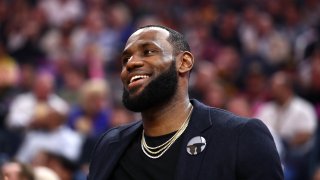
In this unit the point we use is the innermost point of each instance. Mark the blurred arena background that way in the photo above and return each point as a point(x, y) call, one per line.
point(60, 87)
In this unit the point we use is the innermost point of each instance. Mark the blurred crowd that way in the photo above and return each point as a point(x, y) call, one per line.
point(60, 87)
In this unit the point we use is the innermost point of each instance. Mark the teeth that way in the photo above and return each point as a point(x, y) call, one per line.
point(138, 77)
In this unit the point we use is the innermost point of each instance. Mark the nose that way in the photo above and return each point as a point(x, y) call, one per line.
point(134, 62)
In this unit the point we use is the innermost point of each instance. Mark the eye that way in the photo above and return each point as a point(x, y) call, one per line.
point(148, 52)
point(125, 59)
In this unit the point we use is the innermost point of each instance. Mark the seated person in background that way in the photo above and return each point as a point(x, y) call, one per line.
point(62, 167)
point(14, 170)
point(50, 134)
point(24, 107)
point(294, 120)
point(121, 116)
point(9, 72)
point(92, 116)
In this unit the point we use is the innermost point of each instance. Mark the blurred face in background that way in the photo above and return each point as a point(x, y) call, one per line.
point(315, 71)
point(95, 102)
point(215, 95)
point(43, 86)
point(94, 96)
point(11, 171)
point(280, 88)
point(15, 171)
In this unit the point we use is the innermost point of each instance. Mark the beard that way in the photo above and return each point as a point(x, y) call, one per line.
point(157, 92)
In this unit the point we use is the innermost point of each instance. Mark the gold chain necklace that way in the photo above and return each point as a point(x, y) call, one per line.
point(158, 151)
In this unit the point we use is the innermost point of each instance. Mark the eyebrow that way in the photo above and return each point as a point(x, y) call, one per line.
point(124, 53)
point(142, 45)
point(146, 44)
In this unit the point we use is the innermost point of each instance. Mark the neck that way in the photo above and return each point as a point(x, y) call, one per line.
point(166, 118)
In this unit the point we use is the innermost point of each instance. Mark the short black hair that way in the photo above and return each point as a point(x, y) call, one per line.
point(176, 39)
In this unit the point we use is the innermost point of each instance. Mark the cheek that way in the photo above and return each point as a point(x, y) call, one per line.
point(164, 65)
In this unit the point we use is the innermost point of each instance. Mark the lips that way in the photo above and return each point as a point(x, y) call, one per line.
point(136, 81)
point(138, 77)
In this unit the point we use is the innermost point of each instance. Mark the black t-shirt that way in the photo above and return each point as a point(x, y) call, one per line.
point(135, 165)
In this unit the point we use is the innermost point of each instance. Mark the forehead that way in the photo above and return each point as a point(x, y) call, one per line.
point(155, 35)
point(11, 167)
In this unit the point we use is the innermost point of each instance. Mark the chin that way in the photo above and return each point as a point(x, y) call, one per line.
point(135, 92)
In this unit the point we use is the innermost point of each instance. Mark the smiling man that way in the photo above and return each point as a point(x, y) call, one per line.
point(177, 138)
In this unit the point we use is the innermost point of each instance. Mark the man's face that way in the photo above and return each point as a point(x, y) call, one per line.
point(149, 73)
point(11, 171)
point(43, 86)
point(279, 90)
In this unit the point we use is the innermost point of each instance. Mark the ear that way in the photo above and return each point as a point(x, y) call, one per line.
point(185, 62)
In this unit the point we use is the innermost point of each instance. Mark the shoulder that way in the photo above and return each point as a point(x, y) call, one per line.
point(252, 142)
point(243, 126)
point(22, 101)
point(117, 133)
point(226, 119)
point(225, 122)
point(24, 97)
point(302, 105)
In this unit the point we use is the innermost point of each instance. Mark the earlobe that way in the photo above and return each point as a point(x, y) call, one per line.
point(186, 62)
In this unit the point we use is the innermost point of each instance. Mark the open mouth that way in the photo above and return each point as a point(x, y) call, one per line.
point(138, 77)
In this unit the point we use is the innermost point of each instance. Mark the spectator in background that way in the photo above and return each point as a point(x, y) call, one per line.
point(8, 68)
point(9, 71)
point(247, 28)
point(310, 89)
point(26, 79)
point(91, 116)
point(240, 106)
point(228, 63)
point(294, 120)
point(311, 12)
point(14, 170)
point(120, 18)
point(121, 116)
point(57, 42)
point(206, 48)
point(254, 79)
point(226, 31)
point(94, 32)
point(309, 73)
point(62, 166)
point(204, 74)
point(293, 25)
point(73, 77)
point(59, 11)
point(266, 40)
point(23, 32)
point(215, 95)
point(27, 107)
point(50, 135)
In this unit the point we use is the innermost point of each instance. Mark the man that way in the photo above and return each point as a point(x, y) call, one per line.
point(177, 138)
point(293, 118)
point(27, 108)
point(294, 121)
